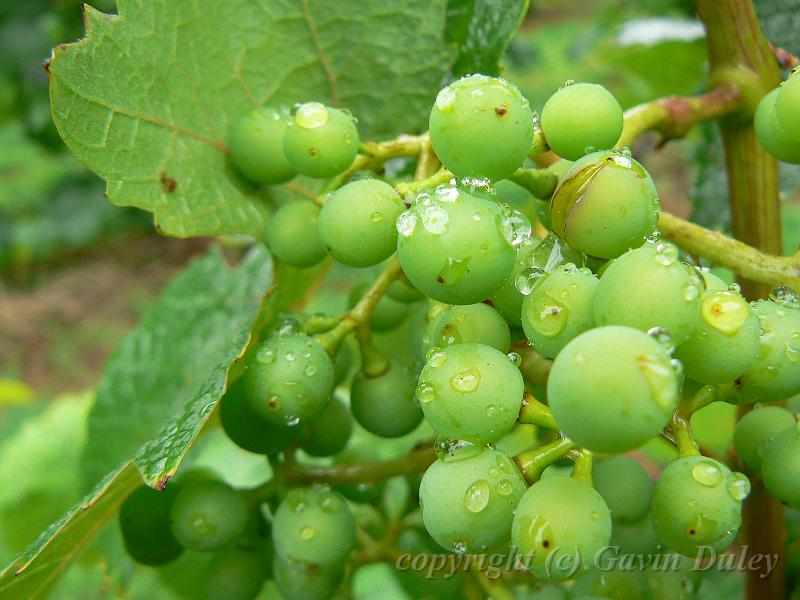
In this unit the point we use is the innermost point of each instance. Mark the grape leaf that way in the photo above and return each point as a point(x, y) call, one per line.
point(146, 98)
point(482, 29)
point(780, 20)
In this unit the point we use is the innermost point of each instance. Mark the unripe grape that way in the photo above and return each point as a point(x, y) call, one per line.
point(248, 429)
point(775, 374)
point(429, 584)
point(207, 515)
point(289, 379)
point(564, 516)
point(321, 141)
point(780, 466)
point(612, 583)
point(479, 323)
point(756, 427)
point(470, 392)
point(611, 389)
point(698, 502)
point(144, 524)
point(327, 432)
point(388, 312)
point(724, 343)
point(314, 525)
point(605, 205)
point(712, 282)
point(402, 290)
point(292, 234)
point(625, 486)
point(648, 287)
point(787, 107)
point(456, 247)
point(299, 580)
point(385, 404)
point(637, 538)
point(770, 131)
point(535, 258)
point(468, 499)
point(559, 308)
point(473, 110)
point(235, 574)
point(357, 222)
point(581, 118)
point(256, 145)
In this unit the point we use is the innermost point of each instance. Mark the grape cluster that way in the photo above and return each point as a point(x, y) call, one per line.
point(540, 331)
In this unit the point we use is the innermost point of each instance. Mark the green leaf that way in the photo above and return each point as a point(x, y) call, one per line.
point(146, 98)
point(780, 20)
point(482, 29)
point(166, 377)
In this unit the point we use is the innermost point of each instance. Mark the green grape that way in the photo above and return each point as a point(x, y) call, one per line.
point(514, 195)
point(612, 583)
point(314, 525)
point(625, 486)
point(235, 574)
point(611, 389)
point(207, 515)
point(428, 583)
point(564, 517)
point(775, 375)
point(385, 404)
point(298, 580)
point(581, 118)
point(402, 290)
point(724, 343)
point(605, 205)
point(388, 313)
point(456, 247)
point(144, 523)
point(636, 538)
point(646, 288)
point(521, 438)
point(755, 428)
point(670, 583)
point(787, 107)
point(780, 466)
point(770, 132)
point(535, 258)
point(470, 392)
point(713, 283)
point(321, 141)
point(472, 111)
point(293, 236)
point(357, 222)
point(479, 323)
point(248, 429)
point(256, 145)
point(698, 502)
point(559, 308)
point(289, 379)
point(327, 432)
point(468, 498)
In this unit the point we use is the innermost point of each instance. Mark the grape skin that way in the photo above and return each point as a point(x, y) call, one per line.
point(780, 466)
point(144, 524)
point(321, 141)
point(256, 145)
point(235, 574)
point(207, 515)
point(385, 404)
point(773, 137)
point(478, 323)
point(755, 428)
point(327, 433)
point(292, 234)
point(473, 110)
point(625, 486)
point(787, 108)
point(248, 429)
point(625, 395)
point(299, 580)
point(470, 392)
point(468, 499)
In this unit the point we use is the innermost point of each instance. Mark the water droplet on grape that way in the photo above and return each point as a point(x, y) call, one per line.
point(307, 533)
point(660, 376)
point(663, 337)
point(726, 311)
point(435, 357)
point(435, 219)
point(515, 358)
point(707, 473)
point(406, 223)
point(691, 292)
point(425, 393)
point(201, 526)
point(738, 486)
point(792, 348)
point(329, 503)
point(491, 411)
point(505, 487)
point(376, 217)
point(466, 381)
point(312, 115)
point(291, 420)
point(526, 280)
point(459, 547)
point(266, 355)
point(547, 315)
point(296, 500)
point(785, 296)
point(494, 472)
point(289, 355)
point(446, 100)
point(477, 496)
point(310, 370)
point(666, 254)
point(453, 270)
point(476, 216)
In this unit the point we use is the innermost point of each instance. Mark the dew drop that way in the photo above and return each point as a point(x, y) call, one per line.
point(312, 115)
point(663, 337)
point(435, 357)
point(310, 370)
point(296, 500)
point(376, 217)
point(453, 270)
point(791, 350)
point(666, 254)
point(329, 503)
point(459, 547)
point(505, 487)
point(290, 355)
point(785, 296)
point(660, 376)
point(477, 496)
point(425, 392)
point(476, 216)
point(491, 411)
point(691, 292)
point(406, 223)
point(515, 358)
point(526, 280)
point(446, 100)
point(266, 356)
point(738, 486)
point(494, 472)
point(707, 473)
point(726, 311)
point(547, 315)
point(291, 420)
point(306, 533)
point(201, 526)
point(435, 219)
point(466, 381)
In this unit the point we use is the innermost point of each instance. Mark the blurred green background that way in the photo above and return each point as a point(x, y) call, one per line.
point(76, 273)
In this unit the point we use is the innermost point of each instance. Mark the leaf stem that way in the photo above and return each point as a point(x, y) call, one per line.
point(582, 468)
point(536, 413)
point(531, 464)
point(409, 188)
point(539, 182)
